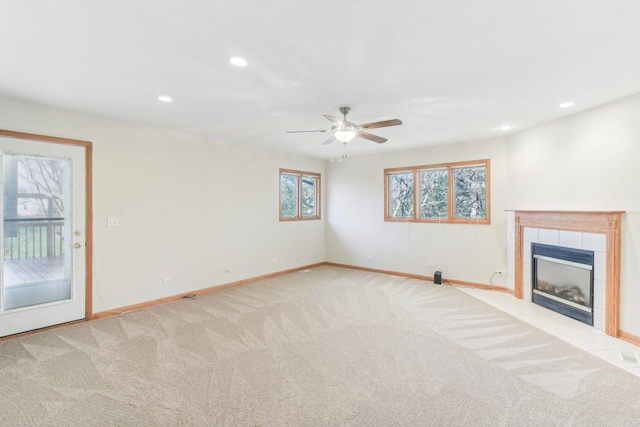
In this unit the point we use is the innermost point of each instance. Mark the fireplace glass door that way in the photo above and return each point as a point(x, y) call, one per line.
point(565, 280)
point(562, 280)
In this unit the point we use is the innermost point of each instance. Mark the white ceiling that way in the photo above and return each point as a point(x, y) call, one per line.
point(451, 70)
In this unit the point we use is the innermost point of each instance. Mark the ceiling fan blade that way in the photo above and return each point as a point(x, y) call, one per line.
point(331, 119)
point(302, 131)
point(381, 124)
point(371, 137)
point(330, 140)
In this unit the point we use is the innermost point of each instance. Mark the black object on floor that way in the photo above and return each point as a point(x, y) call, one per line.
point(437, 277)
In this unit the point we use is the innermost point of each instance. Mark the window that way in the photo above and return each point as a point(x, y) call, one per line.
point(299, 195)
point(452, 192)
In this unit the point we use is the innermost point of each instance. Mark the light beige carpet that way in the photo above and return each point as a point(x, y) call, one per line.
point(331, 347)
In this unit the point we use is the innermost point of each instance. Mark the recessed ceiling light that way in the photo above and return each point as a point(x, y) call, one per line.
point(238, 62)
point(505, 127)
point(567, 104)
point(165, 98)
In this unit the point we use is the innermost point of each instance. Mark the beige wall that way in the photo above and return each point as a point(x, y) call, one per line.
point(356, 228)
point(189, 207)
point(589, 161)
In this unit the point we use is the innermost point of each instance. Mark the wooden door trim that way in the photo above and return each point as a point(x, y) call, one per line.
point(88, 146)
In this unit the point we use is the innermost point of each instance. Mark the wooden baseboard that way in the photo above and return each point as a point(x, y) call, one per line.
point(633, 339)
point(375, 270)
point(151, 303)
point(140, 306)
point(428, 278)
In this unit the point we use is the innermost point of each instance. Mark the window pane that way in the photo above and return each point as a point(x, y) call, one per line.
point(288, 195)
point(401, 194)
point(433, 193)
point(309, 196)
point(36, 215)
point(470, 192)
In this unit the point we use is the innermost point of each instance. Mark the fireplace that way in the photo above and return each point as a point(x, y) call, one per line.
point(597, 231)
point(562, 280)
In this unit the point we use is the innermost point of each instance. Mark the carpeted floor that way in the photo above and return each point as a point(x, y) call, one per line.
point(331, 347)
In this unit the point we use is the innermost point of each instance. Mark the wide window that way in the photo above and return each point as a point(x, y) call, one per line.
point(299, 195)
point(452, 192)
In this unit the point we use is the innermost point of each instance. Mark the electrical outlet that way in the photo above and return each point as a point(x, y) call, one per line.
point(370, 257)
point(430, 264)
point(113, 222)
point(274, 261)
point(167, 281)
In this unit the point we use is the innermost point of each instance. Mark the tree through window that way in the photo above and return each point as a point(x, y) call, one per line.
point(451, 192)
point(299, 195)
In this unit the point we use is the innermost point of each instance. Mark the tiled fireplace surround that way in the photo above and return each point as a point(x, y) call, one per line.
point(594, 231)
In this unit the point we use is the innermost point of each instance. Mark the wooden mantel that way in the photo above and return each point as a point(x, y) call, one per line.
point(605, 222)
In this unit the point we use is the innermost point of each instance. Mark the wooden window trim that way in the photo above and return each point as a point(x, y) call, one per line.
point(299, 175)
point(450, 208)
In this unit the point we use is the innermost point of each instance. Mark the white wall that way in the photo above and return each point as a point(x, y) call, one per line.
point(356, 228)
point(189, 207)
point(589, 161)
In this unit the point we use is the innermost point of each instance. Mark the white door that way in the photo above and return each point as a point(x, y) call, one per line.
point(42, 234)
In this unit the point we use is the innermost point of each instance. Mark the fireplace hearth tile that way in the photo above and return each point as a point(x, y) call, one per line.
point(600, 266)
point(594, 242)
point(570, 239)
point(549, 237)
point(536, 316)
point(531, 234)
point(597, 342)
point(598, 319)
point(576, 329)
point(599, 295)
point(526, 252)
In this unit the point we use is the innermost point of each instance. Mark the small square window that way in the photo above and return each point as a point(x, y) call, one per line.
point(299, 195)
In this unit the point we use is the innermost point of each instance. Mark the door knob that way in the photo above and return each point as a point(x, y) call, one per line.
point(77, 245)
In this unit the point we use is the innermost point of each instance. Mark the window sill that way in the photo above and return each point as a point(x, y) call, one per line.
point(441, 221)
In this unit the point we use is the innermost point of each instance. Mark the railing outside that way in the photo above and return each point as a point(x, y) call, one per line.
point(33, 238)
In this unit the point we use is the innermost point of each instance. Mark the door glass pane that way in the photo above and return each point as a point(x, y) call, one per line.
point(36, 264)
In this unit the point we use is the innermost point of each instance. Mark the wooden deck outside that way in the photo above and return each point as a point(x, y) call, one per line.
point(29, 270)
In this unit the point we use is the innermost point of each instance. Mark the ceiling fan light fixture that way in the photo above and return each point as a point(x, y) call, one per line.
point(344, 130)
point(238, 61)
point(345, 135)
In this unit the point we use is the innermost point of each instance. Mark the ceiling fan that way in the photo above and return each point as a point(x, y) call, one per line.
point(344, 130)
